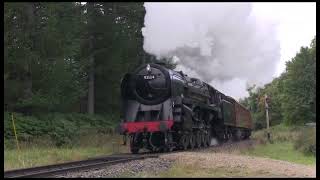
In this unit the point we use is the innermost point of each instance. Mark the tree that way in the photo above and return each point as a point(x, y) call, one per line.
point(293, 94)
point(90, 22)
point(70, 54)
point(299, 99)
point(41, 45)
point(119, 45)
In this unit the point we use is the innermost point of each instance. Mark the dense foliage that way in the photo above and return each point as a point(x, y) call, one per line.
point(60, 128)
point(41, 71)
point(65, 59)
point(292, 95)
point(51, 48)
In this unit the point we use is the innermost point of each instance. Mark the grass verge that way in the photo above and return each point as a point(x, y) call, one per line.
point(38, 154)
point(281, 151)
point(284, 144)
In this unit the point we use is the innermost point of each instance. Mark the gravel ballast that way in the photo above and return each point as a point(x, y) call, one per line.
point(128, 169)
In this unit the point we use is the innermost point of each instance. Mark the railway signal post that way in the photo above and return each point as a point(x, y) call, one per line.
point(266, 101)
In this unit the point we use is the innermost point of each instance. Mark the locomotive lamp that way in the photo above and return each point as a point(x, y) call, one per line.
point(148, 68)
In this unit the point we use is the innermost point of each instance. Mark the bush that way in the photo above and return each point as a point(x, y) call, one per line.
point(303, 138)
point(279, 133)
point(62, 129)
point(306, 141)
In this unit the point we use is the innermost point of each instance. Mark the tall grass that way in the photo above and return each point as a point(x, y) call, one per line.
point(281, 151)
point(279, 133)
point(42, 151)
point(57, 137)
point(295, 144)
point(306, 141)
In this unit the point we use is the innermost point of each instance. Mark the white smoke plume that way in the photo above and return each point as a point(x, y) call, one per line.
point(223, 44)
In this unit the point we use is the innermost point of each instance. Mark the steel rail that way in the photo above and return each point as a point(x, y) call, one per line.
point(44, 171)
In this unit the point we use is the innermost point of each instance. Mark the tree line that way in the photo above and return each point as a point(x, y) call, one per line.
point(69, 56)
point(292, 94)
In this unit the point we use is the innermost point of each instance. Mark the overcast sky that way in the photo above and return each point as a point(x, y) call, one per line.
point(231, 46)
point(297, 26)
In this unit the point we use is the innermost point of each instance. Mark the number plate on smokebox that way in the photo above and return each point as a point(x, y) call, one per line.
point(149, 77)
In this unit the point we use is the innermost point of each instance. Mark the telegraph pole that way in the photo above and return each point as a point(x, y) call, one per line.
point(266, 99)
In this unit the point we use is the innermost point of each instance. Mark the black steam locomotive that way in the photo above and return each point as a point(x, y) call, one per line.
point(165, 110)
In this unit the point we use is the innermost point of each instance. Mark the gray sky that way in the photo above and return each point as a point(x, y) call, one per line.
point(297, 26)
point(229, 45)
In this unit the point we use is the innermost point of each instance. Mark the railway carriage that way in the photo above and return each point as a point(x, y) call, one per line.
point(163, 110)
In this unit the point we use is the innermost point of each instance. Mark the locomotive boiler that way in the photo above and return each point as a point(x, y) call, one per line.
point(163, 110)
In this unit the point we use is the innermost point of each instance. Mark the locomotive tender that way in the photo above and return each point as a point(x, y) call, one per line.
point(163, 110)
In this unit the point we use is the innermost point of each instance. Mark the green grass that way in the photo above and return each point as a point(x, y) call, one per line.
point(281, 151)
point(42, 156)
point(37, 154)
point(283, 139)
point(279, 133)
point(56, 137)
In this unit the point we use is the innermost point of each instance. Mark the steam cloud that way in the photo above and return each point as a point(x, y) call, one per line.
point(223, 44)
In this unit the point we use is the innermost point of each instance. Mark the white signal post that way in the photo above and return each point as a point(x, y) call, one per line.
point(267, 115)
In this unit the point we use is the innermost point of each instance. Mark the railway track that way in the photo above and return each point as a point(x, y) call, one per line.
point(49, 170)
